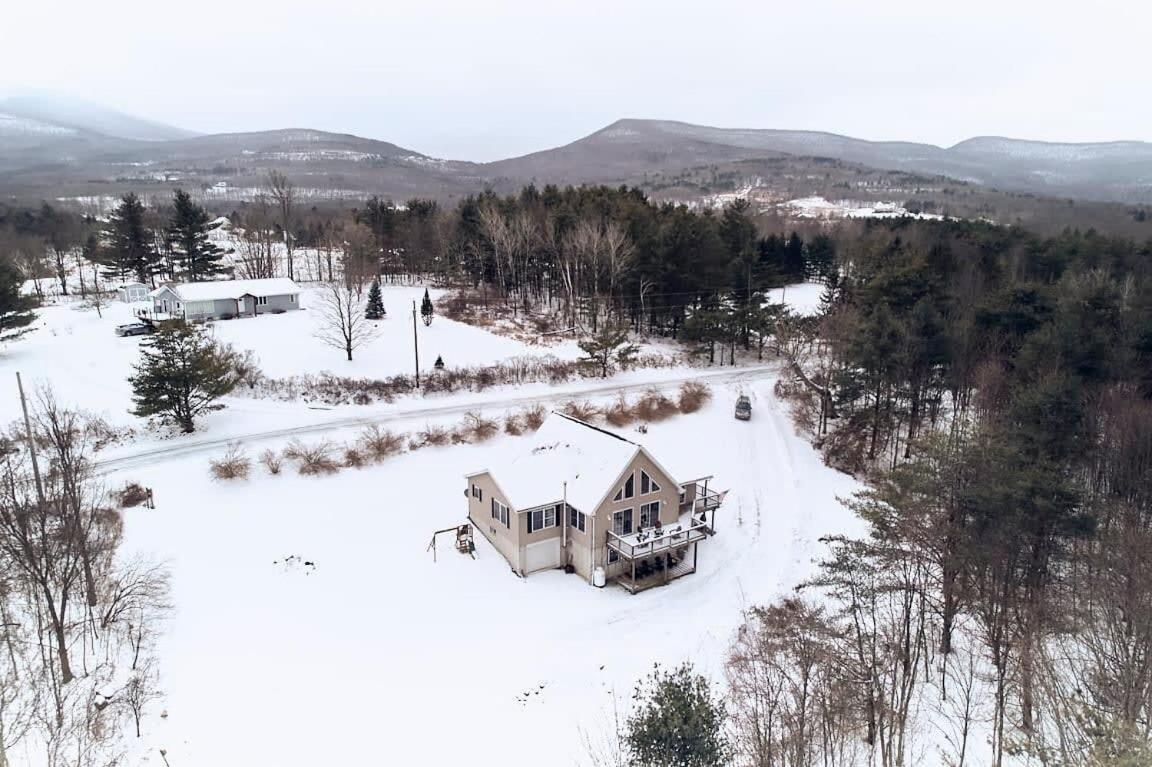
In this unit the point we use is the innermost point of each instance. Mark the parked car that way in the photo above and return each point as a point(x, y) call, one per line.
point(743, 408)
point(135, 329)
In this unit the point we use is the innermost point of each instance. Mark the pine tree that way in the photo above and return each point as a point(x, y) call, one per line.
point(609, 345)
point(678, 721)
point(181, 374)
point(128, 251)
point(15, 310)
point(194, 256)
point(426, 308)
point(375, 309)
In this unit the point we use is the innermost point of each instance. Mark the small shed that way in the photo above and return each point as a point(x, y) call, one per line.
point(131, 292)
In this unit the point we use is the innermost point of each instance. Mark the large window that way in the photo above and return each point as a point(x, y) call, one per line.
point(622, 522)
point(647, 484)
point(577, 519)
point(261, 300)
point(500, 512)
point(541, 519)
point(628, 490)
point(650, 514)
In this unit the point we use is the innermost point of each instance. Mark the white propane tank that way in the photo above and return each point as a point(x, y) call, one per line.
point(598, 579)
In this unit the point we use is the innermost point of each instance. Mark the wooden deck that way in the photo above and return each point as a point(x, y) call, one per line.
point(686, 566)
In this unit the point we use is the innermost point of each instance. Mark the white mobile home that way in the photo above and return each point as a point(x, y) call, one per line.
point(226, 299)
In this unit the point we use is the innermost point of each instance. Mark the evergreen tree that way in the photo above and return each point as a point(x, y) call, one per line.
point(607, 347)
point(15, 310)
point(678, 721)
point(426, 308)
point(194, 256)
point(128, 251)
point(181, 374)
point(375, 308)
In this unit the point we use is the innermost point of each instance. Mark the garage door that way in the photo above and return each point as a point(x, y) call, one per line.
point(542, 555)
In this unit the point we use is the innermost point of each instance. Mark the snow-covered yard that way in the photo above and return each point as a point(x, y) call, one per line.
point(87, 365)
point(375, 654)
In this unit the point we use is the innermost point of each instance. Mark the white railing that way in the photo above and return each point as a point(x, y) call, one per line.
point(656, 540)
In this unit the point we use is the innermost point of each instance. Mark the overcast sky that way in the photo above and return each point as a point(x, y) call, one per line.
point(487, 79)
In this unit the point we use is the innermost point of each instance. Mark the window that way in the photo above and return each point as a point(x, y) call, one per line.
point(628, 490)
point(500, 512)
point(577, 519)
point(622, 522)
point(261, 300)
point(477, 493)
point(292, 298)
point(541, 519)
point(647, 484)
point(650, 514)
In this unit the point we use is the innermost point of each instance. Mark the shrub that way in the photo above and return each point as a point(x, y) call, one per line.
point(380, 443)
point(354, 457)
point(513, 425)
point(619, 413)
point(654, 406)
point(693, 395)
point(533, 416)
point(581, 409)
point(132, 494)
point(271, 461)
point(433, 436)
point(312, 459)
point(479, 428)
point(234, 465)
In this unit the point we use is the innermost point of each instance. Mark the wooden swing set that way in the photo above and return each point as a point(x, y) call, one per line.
point(464, 542)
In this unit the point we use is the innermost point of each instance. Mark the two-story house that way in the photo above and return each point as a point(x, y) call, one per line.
point(594, 503)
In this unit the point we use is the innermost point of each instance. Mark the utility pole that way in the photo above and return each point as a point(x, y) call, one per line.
point(416, 345)
point(31, 442)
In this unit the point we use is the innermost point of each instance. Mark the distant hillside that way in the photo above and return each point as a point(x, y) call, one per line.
point(81, 116)
point(628, 148)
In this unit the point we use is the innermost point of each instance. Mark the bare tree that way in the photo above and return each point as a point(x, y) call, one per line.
point(283, 195)
point(342, 321)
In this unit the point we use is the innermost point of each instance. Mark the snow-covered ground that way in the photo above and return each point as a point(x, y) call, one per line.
point(87, 365)
point(802, 298)
point(376, 654)
point(818, 207)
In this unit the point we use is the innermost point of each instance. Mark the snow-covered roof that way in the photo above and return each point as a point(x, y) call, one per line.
point(564, 449)
point(220, 289)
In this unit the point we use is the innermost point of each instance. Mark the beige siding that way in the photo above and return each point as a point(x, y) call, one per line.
point(668, 495)
point(505, 540)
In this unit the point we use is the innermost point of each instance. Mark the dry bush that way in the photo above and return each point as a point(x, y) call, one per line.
point(132, 494)
point(693, 395)
point(581, 409)
point(619, 413)
point(533, 417)
point(312, 459)
point(380, 443)
point(431, 436)
point(354, 457)
point(234, 465)
point(654, 406)
point(513, 425)
point(271, 461)
point(478, 428)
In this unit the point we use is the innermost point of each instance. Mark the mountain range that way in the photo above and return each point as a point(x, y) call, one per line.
point(60, 147)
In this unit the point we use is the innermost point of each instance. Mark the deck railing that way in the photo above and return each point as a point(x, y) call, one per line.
point(648, 542)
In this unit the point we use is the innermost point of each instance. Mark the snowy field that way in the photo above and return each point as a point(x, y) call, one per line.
point(375, 654)
point(87, 365)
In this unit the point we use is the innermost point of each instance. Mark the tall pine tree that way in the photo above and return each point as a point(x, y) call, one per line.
point(375, 308)
point(15, 310)
point(128, 251)
point(194, 256)
point(426, 310)
point(181, 374)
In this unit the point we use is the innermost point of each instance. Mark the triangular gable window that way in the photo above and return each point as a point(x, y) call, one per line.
point(647, 484)
point(628, 490)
